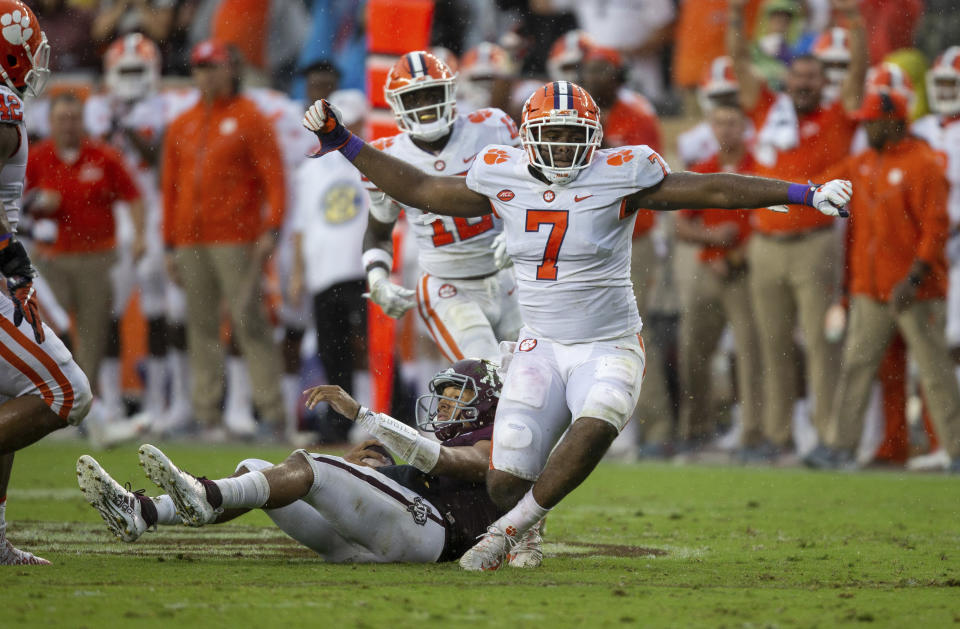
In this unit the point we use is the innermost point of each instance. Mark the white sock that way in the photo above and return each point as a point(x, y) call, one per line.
point(166, 510)
point(154, 385)
point(247, 491)
point(290, 386)
point(3, 519)
point(523, 516)
point(239, 400)
point(109, 380)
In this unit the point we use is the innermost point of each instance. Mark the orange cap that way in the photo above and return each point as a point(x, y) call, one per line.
point(882, 104)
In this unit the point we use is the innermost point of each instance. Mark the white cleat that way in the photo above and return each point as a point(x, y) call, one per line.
point(10, 556)
point(186, 491)
point(490, 552)
point(121, 509)
point(936, 461)
point(528, 553)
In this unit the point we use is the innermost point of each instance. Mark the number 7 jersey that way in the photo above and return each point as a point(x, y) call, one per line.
point(570, 244)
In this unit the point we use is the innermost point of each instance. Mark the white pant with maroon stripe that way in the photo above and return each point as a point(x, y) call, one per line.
point(46, 370)
point(354, 514)
point(549, 384)
point(468, 318)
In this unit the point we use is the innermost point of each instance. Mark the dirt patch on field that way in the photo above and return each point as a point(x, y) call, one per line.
point(605, 550)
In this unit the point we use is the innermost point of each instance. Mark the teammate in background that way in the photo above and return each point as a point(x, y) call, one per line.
point(130, 116)
point(486, 78)
point(567, 208)
point(466, 301)
point(41, 388)
point(359, 508)
point(941, 130)
point(832, 48)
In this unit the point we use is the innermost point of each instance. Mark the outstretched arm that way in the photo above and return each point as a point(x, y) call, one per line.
point(685, 190)
point(448, 196)
point(463, 462)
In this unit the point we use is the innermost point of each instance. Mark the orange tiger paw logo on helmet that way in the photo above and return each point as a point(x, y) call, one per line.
point(480, 115)
point(620, 157)
point(495, 156)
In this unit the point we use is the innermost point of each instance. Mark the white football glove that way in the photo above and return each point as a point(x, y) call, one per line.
point(832, 197)
point(394, 300)
point(316, 118)
point(500, 257)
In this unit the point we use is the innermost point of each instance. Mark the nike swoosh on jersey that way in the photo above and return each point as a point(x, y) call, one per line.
point(470, 159)
point(578, 199)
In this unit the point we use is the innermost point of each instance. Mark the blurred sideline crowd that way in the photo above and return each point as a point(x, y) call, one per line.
point(771, 338)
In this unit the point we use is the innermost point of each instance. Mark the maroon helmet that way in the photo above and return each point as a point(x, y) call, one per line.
point(447, 415)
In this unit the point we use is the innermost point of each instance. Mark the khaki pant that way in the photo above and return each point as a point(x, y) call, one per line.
point(212, 275)
point(82, 286)
point(653, 412)
point(793, 282)
point(872, 323)
point(711, 303)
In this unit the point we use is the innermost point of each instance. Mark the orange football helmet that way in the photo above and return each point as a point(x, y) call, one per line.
point(131, 67)
point(943, 82)
point(560, 105)
point(718, 81)
point(417, 71)
point(566, 55)
point(24, 51)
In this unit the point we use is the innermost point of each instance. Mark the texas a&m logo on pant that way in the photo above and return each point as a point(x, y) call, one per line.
point(418, 509)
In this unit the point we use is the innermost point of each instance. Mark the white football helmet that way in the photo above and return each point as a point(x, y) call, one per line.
point(131, 67)
point(943, 82)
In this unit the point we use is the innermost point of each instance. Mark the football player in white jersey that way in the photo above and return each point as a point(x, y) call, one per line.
point(41, 387)
point(568, 210)
point(130, 116)
point(466, 301)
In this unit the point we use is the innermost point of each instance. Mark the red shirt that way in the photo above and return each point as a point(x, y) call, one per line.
point(714, 217)
point(88, 189)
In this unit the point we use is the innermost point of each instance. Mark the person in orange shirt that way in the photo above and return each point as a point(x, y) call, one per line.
point(795, 256)
point(221, 166)
point(898, 276)
point(699, 37)
point(629, 119)
point(717, 294)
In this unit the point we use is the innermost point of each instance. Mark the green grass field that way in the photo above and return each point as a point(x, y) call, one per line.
point(637, 545)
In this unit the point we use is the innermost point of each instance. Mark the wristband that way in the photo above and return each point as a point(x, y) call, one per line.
point(351, 147)
point(377, 256)
point(800, 194)
point(400, 439)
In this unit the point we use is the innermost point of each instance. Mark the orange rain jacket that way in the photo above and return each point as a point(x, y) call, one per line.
point(898, 213)
point(221, 165)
